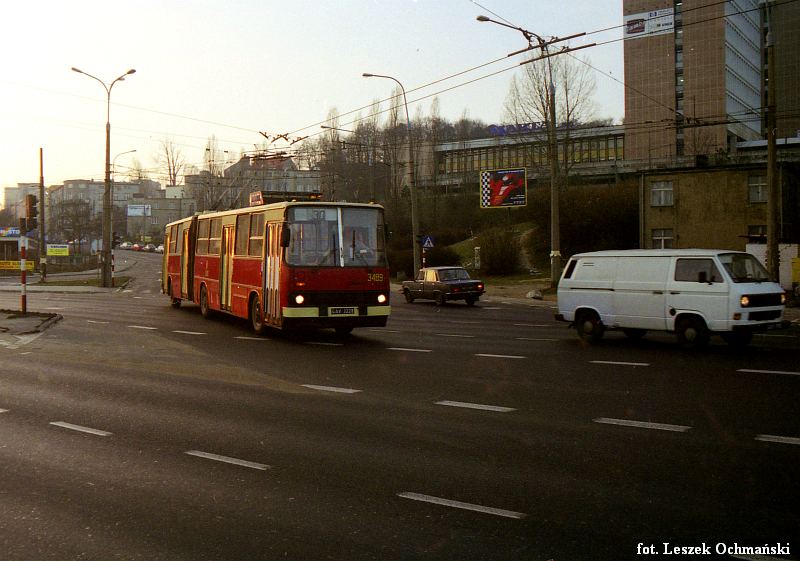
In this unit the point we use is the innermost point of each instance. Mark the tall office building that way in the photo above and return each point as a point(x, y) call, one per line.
point(783, 21)
point(693, 70)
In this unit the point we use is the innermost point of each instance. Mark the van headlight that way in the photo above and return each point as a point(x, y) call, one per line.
point(783, 298)
point(744, 301)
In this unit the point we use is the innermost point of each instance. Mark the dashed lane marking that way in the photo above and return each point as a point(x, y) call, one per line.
point(778, 439)
point(642, 424)
point(96, 321)
point(455, 335)
point(462, 506)
point(784, 372)
point(245, 338)
point(228, 460)
point(494, 408)
point(79, 428)
point(189, 332)
point(498, 356)
point(143, 327)
point(403, 349)
point(619, 363)
point(330, 389)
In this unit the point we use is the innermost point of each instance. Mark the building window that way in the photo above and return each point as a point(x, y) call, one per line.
point(757, 188)
point(662, 238)
point(757, 233)
point(661, 193)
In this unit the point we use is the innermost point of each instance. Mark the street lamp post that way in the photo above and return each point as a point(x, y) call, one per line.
point(106, 252)
point(414, 210)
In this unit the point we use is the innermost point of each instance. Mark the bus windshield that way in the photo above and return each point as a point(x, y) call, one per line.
point(336, 237)
point(743, 267)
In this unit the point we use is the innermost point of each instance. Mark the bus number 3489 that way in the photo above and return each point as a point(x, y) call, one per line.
point(375, 277)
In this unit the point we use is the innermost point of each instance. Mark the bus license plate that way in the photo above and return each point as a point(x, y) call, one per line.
point(342, 312)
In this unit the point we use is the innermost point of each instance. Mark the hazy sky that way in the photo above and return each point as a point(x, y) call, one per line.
point(234, 68)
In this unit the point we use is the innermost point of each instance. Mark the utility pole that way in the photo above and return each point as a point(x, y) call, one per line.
point(42, 230)
point(773, 188)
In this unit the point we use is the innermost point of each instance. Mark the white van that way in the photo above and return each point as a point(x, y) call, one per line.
point(692, 292)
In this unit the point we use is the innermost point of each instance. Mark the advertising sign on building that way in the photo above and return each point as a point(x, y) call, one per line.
point(139, 210)
point(57, 250)
point(649, 24)
point(503, 188)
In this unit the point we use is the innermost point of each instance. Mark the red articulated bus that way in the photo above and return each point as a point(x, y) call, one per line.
point(283, 265)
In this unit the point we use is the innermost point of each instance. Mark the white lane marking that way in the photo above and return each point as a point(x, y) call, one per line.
point(409, 350)
point(385, 330)
point(495, 408)
point(533, 339)
point(3, 410)
point(138, 298)
point(769, 372)
point(618, 363)
point(493, 308)
point(142, 327)
point(499, 356)
point(95, 321)
point(463, 322)
point(531, 325)
point(642, 424)
point(228, 460)
point(245, 338)
point(330, 389)
point(463, 506)
point(455, 335)
point(54, 308)
point(324, 344)
point(189, 332)
point(79, 428)
point(127, 290)
point(778, 439)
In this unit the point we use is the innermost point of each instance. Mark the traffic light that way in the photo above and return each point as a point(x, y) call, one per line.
point(31, 211)
point(116, 240)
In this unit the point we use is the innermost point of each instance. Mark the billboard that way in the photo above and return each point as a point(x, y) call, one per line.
point(649, 24)
point(503, 188)
point(138, 210)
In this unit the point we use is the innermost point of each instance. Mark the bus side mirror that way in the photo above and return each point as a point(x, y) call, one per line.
point(286, 235)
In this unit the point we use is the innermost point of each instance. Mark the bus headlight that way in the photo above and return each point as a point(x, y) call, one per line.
point(381, 298)
point(744, 301)
point(299, 299)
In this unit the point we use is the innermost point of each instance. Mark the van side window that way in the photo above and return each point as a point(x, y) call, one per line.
point(690, 270)
point(570, 268)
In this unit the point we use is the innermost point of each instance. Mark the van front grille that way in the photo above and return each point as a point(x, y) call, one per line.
point(764, 315)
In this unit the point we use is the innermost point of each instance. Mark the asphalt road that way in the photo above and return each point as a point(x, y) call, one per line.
point(131, 430)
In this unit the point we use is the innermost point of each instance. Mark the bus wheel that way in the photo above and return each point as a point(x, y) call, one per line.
point(175, 302)
point(256, 317)
point(205, 311)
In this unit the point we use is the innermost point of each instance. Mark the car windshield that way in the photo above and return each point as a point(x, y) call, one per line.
point(743, 267)
point(331, 237)
point(453, 274)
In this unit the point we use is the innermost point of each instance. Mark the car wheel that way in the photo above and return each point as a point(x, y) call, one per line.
point(471, 300)
point(589, 326)
point(409, 298)
point(692, 333)
point(205, 311)
point(440, 299)
point(256, 317)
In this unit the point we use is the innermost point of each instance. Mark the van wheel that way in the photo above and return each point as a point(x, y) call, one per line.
point(205, 311)
point(692, 333)
point(256, 317)
point(589, 326)
point(738, 338)
point(634, 334)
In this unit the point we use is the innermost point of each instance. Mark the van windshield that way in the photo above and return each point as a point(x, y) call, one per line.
point(743, 267)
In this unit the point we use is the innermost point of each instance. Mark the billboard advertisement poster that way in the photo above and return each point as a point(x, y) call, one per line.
point(503, 188)
point(139, 210)
point(649, 24)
